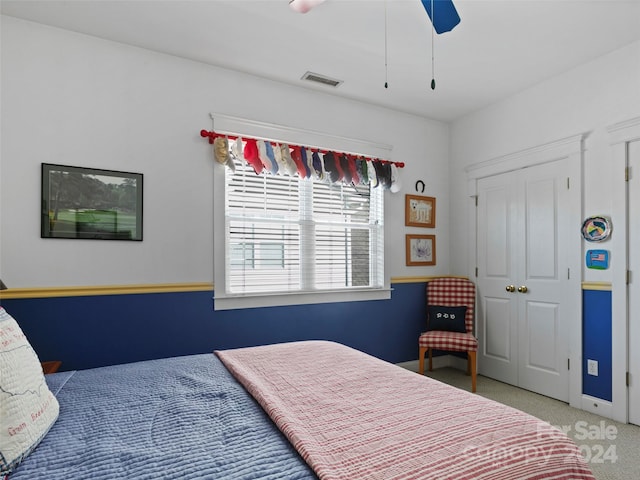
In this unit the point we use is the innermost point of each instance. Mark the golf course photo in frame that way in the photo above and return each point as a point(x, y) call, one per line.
point(90, 203)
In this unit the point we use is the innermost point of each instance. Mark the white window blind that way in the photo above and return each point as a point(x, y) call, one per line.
point(284, 234)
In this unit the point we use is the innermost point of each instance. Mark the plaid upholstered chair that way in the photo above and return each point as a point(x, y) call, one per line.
point(450, 322)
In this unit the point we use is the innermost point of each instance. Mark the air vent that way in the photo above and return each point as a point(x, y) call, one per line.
point(316, 77)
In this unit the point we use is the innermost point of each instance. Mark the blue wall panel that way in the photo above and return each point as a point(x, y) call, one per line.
point(93, 331)
point(596, 343)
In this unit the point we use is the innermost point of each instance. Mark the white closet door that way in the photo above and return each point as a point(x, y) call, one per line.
point(543, 316)
point(523, 278)
point(634, 285)
point(497, 328)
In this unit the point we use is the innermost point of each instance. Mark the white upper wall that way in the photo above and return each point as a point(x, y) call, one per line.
point(586, 100)
point(76, 100)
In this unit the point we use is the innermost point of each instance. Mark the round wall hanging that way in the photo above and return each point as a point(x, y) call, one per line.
point(596, 229)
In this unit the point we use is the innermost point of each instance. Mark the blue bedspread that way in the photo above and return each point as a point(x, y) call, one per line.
point(177, 418)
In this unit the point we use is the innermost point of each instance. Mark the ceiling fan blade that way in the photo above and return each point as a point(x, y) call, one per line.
point(446, 16)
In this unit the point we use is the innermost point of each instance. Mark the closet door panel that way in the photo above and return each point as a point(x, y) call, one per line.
point(497, 334)
point(543, 319)
point(541, 349)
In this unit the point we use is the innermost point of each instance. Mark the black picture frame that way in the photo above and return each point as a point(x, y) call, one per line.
point(90, 203)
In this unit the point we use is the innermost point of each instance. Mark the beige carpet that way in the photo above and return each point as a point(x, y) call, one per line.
point(614, 453)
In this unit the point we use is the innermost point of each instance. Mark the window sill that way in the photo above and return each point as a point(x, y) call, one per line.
point(232, 302)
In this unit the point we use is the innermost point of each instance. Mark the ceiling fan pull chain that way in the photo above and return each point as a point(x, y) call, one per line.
point(386, 84)
point(433, 27)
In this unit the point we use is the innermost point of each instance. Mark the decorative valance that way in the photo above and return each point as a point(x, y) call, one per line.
point(269, 157)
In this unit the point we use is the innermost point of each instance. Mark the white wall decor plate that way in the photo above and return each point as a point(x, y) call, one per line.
point(596, 229)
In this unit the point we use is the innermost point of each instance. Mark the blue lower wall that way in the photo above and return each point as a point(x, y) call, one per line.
point(596, 343)
point(93, 331)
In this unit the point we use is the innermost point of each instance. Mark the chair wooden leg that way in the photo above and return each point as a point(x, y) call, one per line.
point(472, 364)
point(421, 360)
point(430, 361)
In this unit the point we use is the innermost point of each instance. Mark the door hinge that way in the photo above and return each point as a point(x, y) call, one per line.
point(627, 174)
point(568, 184)
point(628, 277)
point(476, 198)
point(476, 272)
point(628, 379)
point(568, 364)
point(568, 274)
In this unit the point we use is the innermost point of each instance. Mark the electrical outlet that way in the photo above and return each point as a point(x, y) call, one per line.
point(592, 367)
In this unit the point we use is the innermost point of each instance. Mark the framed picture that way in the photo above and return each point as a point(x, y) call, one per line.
point(90, 203)
point(419, 211)
point(421, 250)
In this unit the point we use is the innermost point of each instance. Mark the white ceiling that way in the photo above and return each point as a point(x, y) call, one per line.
point(499, 48)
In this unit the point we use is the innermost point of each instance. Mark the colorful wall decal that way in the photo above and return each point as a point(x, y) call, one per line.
point(597, 259)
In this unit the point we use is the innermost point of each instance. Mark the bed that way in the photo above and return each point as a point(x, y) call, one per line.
point(182, 417)
point(300, 410)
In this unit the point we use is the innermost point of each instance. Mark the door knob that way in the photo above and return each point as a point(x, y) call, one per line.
point(510, 288)
point(523, 289)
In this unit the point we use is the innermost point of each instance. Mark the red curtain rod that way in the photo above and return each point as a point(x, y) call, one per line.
point(212, 136)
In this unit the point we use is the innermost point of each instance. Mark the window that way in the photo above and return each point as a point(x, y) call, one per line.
point(287, 235)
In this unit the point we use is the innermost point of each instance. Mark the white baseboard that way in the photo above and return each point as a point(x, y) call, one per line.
point(597, 406)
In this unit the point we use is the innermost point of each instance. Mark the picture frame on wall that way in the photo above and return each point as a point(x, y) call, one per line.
point(421, 250)
point(420, 211)
point(90, 203)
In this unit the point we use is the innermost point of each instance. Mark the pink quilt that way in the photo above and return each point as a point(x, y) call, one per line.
point(355, 417)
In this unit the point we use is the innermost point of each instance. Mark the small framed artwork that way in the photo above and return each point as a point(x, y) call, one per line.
point(90, 203)
point(419, 211)
point(421, 250)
